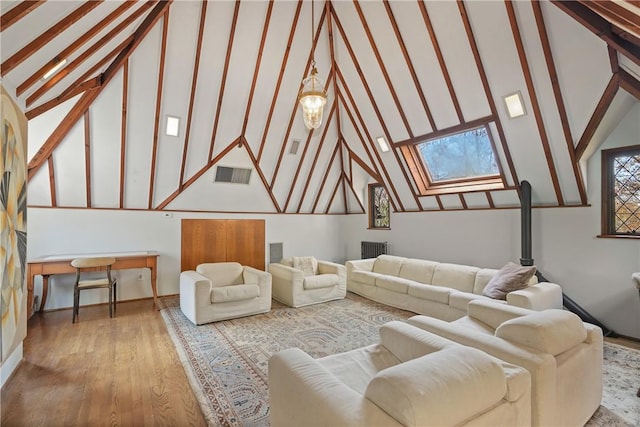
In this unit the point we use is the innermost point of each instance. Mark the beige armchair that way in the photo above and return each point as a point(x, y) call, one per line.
point(410, 378)
point(224, 290)
point(301, 281)
point(562, 354)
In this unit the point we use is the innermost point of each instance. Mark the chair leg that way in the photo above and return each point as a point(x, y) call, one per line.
point(115, 294)
point(110, 303)
point(76, 303)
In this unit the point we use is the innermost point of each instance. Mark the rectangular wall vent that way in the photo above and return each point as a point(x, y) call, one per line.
point(232, 175)
point(275, 252)
point(294, 146)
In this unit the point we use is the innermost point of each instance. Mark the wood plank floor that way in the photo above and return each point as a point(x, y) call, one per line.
point(100, 371)
point(120, 371)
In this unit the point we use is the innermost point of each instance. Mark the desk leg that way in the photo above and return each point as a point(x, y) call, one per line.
point(153, 267)
point(45, 291)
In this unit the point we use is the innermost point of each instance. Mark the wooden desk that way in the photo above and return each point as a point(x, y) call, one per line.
point(61, 264)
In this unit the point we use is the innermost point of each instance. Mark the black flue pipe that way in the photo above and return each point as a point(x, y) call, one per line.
point(525, 223)
point(527, 260)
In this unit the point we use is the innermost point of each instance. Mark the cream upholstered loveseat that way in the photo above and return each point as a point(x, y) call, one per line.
point(224, 290)
point(411, 378)
point(562, 354)
point(300, 281)
point(437, 289)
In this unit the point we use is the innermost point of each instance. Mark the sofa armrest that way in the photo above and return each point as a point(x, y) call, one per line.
point(195, 291)
point(360, 264)
point(261, 278)
point(541, 296)
point(326, 267)
point(304, 393)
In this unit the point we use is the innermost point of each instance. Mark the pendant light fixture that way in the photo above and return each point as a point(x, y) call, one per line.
point(312, 98)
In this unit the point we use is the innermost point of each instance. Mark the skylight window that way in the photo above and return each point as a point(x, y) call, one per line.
point(457, 160)
point(464, 155)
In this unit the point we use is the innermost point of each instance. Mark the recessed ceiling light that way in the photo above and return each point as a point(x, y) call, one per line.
point(173, 125)
point(54, 69)
point(383, 144)
point(514, 104)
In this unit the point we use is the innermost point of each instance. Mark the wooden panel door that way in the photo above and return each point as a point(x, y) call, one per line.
point(245, 242)
point(203, 240)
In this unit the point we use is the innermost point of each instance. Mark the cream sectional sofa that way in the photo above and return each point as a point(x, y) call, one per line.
point(437, 289)
point(562, 354)
point(410, 378)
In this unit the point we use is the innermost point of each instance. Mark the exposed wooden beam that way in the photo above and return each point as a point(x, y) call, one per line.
point(156, 124)
point(537, 111)
point(276, 90)
point(487, 90)
point(87, 156)
point(18, 12)
point(441, 61)
point(308, 143)
point(317, 155)
point(192, 96)
point(600, 27)
point(597, 116)
point(629, 83)
point(489, 199)
point(333, 193)
point(389, 182)
point(412, 70)
point(366, 87)
point(324, 178)
point(52, 182)
point(69, 50)
point(463, 201)
point(80, 88)
point(354, 157)
point(557, 92)
point(261, 175)
point(48, 35)
point(53, 80)
point(223, 82)
point(295, 104)
point(256, 70)
point(383, 69)
point(355, 196)
point(123, 129)
point(620, 15)
point(87, 99)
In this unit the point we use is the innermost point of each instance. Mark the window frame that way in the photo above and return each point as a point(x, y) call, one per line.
point(608, 193)
point(420, 171)
point(372, 208)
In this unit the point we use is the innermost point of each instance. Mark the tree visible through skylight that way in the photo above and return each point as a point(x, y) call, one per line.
point(463, 155)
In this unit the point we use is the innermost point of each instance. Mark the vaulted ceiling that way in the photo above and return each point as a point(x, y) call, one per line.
point(231, 72)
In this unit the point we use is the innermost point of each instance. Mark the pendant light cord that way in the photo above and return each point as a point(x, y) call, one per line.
point(313, 23)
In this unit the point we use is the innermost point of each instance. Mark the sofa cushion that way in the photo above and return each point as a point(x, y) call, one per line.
point(550, 331)
point(366, 277)
point(308, 265)
point(320, 281)
point(509, 278)
point(287, 261)
point(428, 292)
point(388, 264)
point(441, 388)
point(494, 312)
point(455, 276)
point(234, 293)
point(395, 284)
point(482, 278)
point(460, 300)
point(418, 270)
point(221, 273)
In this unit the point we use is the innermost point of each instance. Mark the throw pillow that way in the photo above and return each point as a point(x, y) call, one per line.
point(308, 265)
point(509, 278)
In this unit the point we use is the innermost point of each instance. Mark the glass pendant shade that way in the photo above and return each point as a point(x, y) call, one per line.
point(312, 99)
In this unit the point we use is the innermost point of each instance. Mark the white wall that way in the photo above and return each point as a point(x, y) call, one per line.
point(594, 272)
point(68, 231)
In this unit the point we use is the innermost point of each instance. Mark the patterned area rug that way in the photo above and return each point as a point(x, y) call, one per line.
point(226, 362)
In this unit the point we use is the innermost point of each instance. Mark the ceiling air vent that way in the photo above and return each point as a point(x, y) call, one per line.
point(232, 175)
